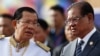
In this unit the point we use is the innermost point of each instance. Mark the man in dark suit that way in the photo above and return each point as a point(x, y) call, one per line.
point(57, 31)
point(81, 24)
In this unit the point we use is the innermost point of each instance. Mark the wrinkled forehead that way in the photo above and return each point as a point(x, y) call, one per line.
point(74, 12)
point(29, 15)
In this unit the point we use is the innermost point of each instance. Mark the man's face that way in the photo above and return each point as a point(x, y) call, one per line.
point(25, 26)
point(6, 27)
point(78, 25)
point(68, 34)
point(58, 18)
point(39, 34)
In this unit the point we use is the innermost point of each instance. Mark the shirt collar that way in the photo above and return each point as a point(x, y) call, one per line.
point(87, 37)
point(18, 45)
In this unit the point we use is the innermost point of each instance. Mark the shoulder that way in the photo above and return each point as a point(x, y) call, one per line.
point(41, 45)
point(38, 49)
point(95, 37)
point(67, 48)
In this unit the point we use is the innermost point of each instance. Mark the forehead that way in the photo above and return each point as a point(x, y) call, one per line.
point(4, 20)
point(56, 12)
point(28, 15)
point(73, 12)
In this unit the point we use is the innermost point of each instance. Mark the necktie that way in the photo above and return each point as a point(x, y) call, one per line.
point(79, 48)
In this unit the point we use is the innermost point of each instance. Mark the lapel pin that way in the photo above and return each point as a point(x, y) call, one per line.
point(91, 43)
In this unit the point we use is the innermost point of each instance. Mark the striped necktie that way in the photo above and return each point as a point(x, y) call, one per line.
point(79, 48)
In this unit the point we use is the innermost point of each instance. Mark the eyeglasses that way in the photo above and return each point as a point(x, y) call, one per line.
point(74, 20)
point(28, 22)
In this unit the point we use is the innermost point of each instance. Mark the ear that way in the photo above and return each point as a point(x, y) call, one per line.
point(90, 17)
point(48, 31)
point(14, 23)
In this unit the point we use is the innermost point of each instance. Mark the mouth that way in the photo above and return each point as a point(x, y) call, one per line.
point(73, 29)
point(29, 33)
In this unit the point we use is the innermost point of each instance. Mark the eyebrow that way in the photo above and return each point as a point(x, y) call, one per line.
point(76, 17)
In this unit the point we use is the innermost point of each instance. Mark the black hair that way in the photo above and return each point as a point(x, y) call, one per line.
point(18, 12)
point(58, 8)
point(84, 7)
point(9, 16)
point(44, 25)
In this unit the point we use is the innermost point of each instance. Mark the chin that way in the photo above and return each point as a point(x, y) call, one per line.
point(27, 38)
point(74, 34)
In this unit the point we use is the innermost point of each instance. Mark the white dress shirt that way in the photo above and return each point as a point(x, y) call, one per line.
point(87, 37)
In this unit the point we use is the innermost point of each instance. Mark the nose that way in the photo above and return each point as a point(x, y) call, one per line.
point(31, 26)
point(72, 24)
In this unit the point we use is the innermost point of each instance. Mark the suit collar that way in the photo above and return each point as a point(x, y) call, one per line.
point(87, 37)
point(91, 43)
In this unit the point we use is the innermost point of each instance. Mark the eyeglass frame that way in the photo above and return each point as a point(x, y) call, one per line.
point(75, 20)
point(28, 22)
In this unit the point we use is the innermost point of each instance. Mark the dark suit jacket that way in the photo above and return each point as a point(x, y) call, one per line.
point(89, 50)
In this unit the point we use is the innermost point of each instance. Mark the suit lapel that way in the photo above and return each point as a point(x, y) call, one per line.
point(91, 44)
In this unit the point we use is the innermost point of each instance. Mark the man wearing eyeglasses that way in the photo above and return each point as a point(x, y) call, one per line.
point(19, 44)
point(80, 21)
